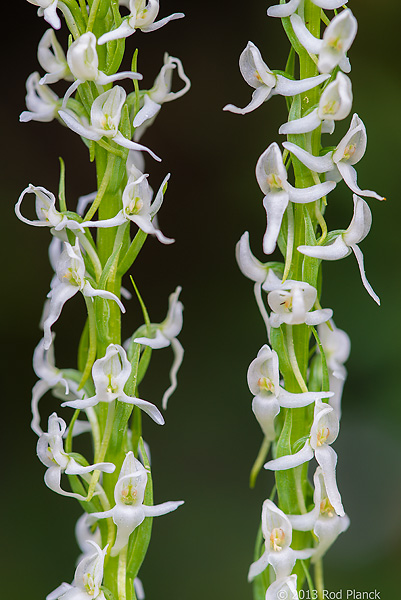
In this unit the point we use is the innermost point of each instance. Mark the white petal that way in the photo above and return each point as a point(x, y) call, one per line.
point(52, 480)
point(327, 459)
point(259, 96)
point(319, 164)
point(310, 194)
point(283, 10)
point(306, 39)
point(162, 22)
point(327, 530)
point(121, 32)
point(330, 4)
point(162, 509)
point(89, 291)
point(304, 125)
point(83, 130)
point(350, 177)
point(249, 266)
point(335, 251)
point(367, 286)
point(122, 141)
point(148, 111)
point(275, 204)
point(360, 224)
point(316, 317)
point(178, 358)
point(258, 566)
point(59, 296)
point(290, 461)
point(291, 400)
point(289, 87)
point(265, 407)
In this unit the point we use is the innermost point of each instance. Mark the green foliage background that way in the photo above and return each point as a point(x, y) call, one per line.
point(205, 451)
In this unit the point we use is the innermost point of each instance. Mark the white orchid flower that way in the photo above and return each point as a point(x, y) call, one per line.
point(337, 40)
point(338, 164)
point(287, 9)
point(347, 242)
point(42, 103)
point(110, 374)
point(324, 432)
point(48, 10)
point(283, 588)
point(45, 206)
point(83, 62)
point(291, 303)
point(273, 181)
point(138, 206)
point(322, 519)
point(266, 83)
point(87, 580)
point(105, 120)
point(71, 280)
point(52, 59)
point(142, 16)
point(52, 378)
point(264, 383)
point(263, 274)
point(336, 346)
point(334, 105)
point(277, 533)
point(165, 334)
point(160, 93)
point(50, 451)
point(129, 511)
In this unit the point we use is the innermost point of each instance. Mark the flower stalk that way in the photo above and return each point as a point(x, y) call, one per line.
point(298, 376)
point(93, 246)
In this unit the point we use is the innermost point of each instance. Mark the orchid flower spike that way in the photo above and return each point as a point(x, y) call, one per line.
point(52, 59)
point(71, 279)
point(110, 374)
point(129, 511)
point(338, 163)
point(337, 347)
point(162, 335)
point(160, 93)
point(138, 206)
point(266, 83)
point(50, 451)
point(347, 242)
point(337, 40)
point(322, 519)
point(285, 587)
point(334, 105)
point(48, 10)
point(263, 274)
point(45, 206)
point(291, 303)
point(287, 9)
point(105, 120)
point(277, 533)
point(142, 16)
point(272, 179)
point(324, 432)
point(87, 581)
point(42, 103)
point(83, 62)
point(264, 383)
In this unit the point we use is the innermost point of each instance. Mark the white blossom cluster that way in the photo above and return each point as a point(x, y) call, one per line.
point(77, 266)
point(292, 303)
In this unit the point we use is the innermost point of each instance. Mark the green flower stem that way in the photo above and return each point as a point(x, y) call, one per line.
point(91, 253)
point(92, 342)
point(102, 451)
point(319, 579)
point(259, 462)
point(122, 574)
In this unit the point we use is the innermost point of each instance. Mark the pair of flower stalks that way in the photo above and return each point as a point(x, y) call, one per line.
point(297, 379)
point(116, 490)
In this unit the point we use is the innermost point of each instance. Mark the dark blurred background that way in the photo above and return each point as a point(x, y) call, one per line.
point(205, 451)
